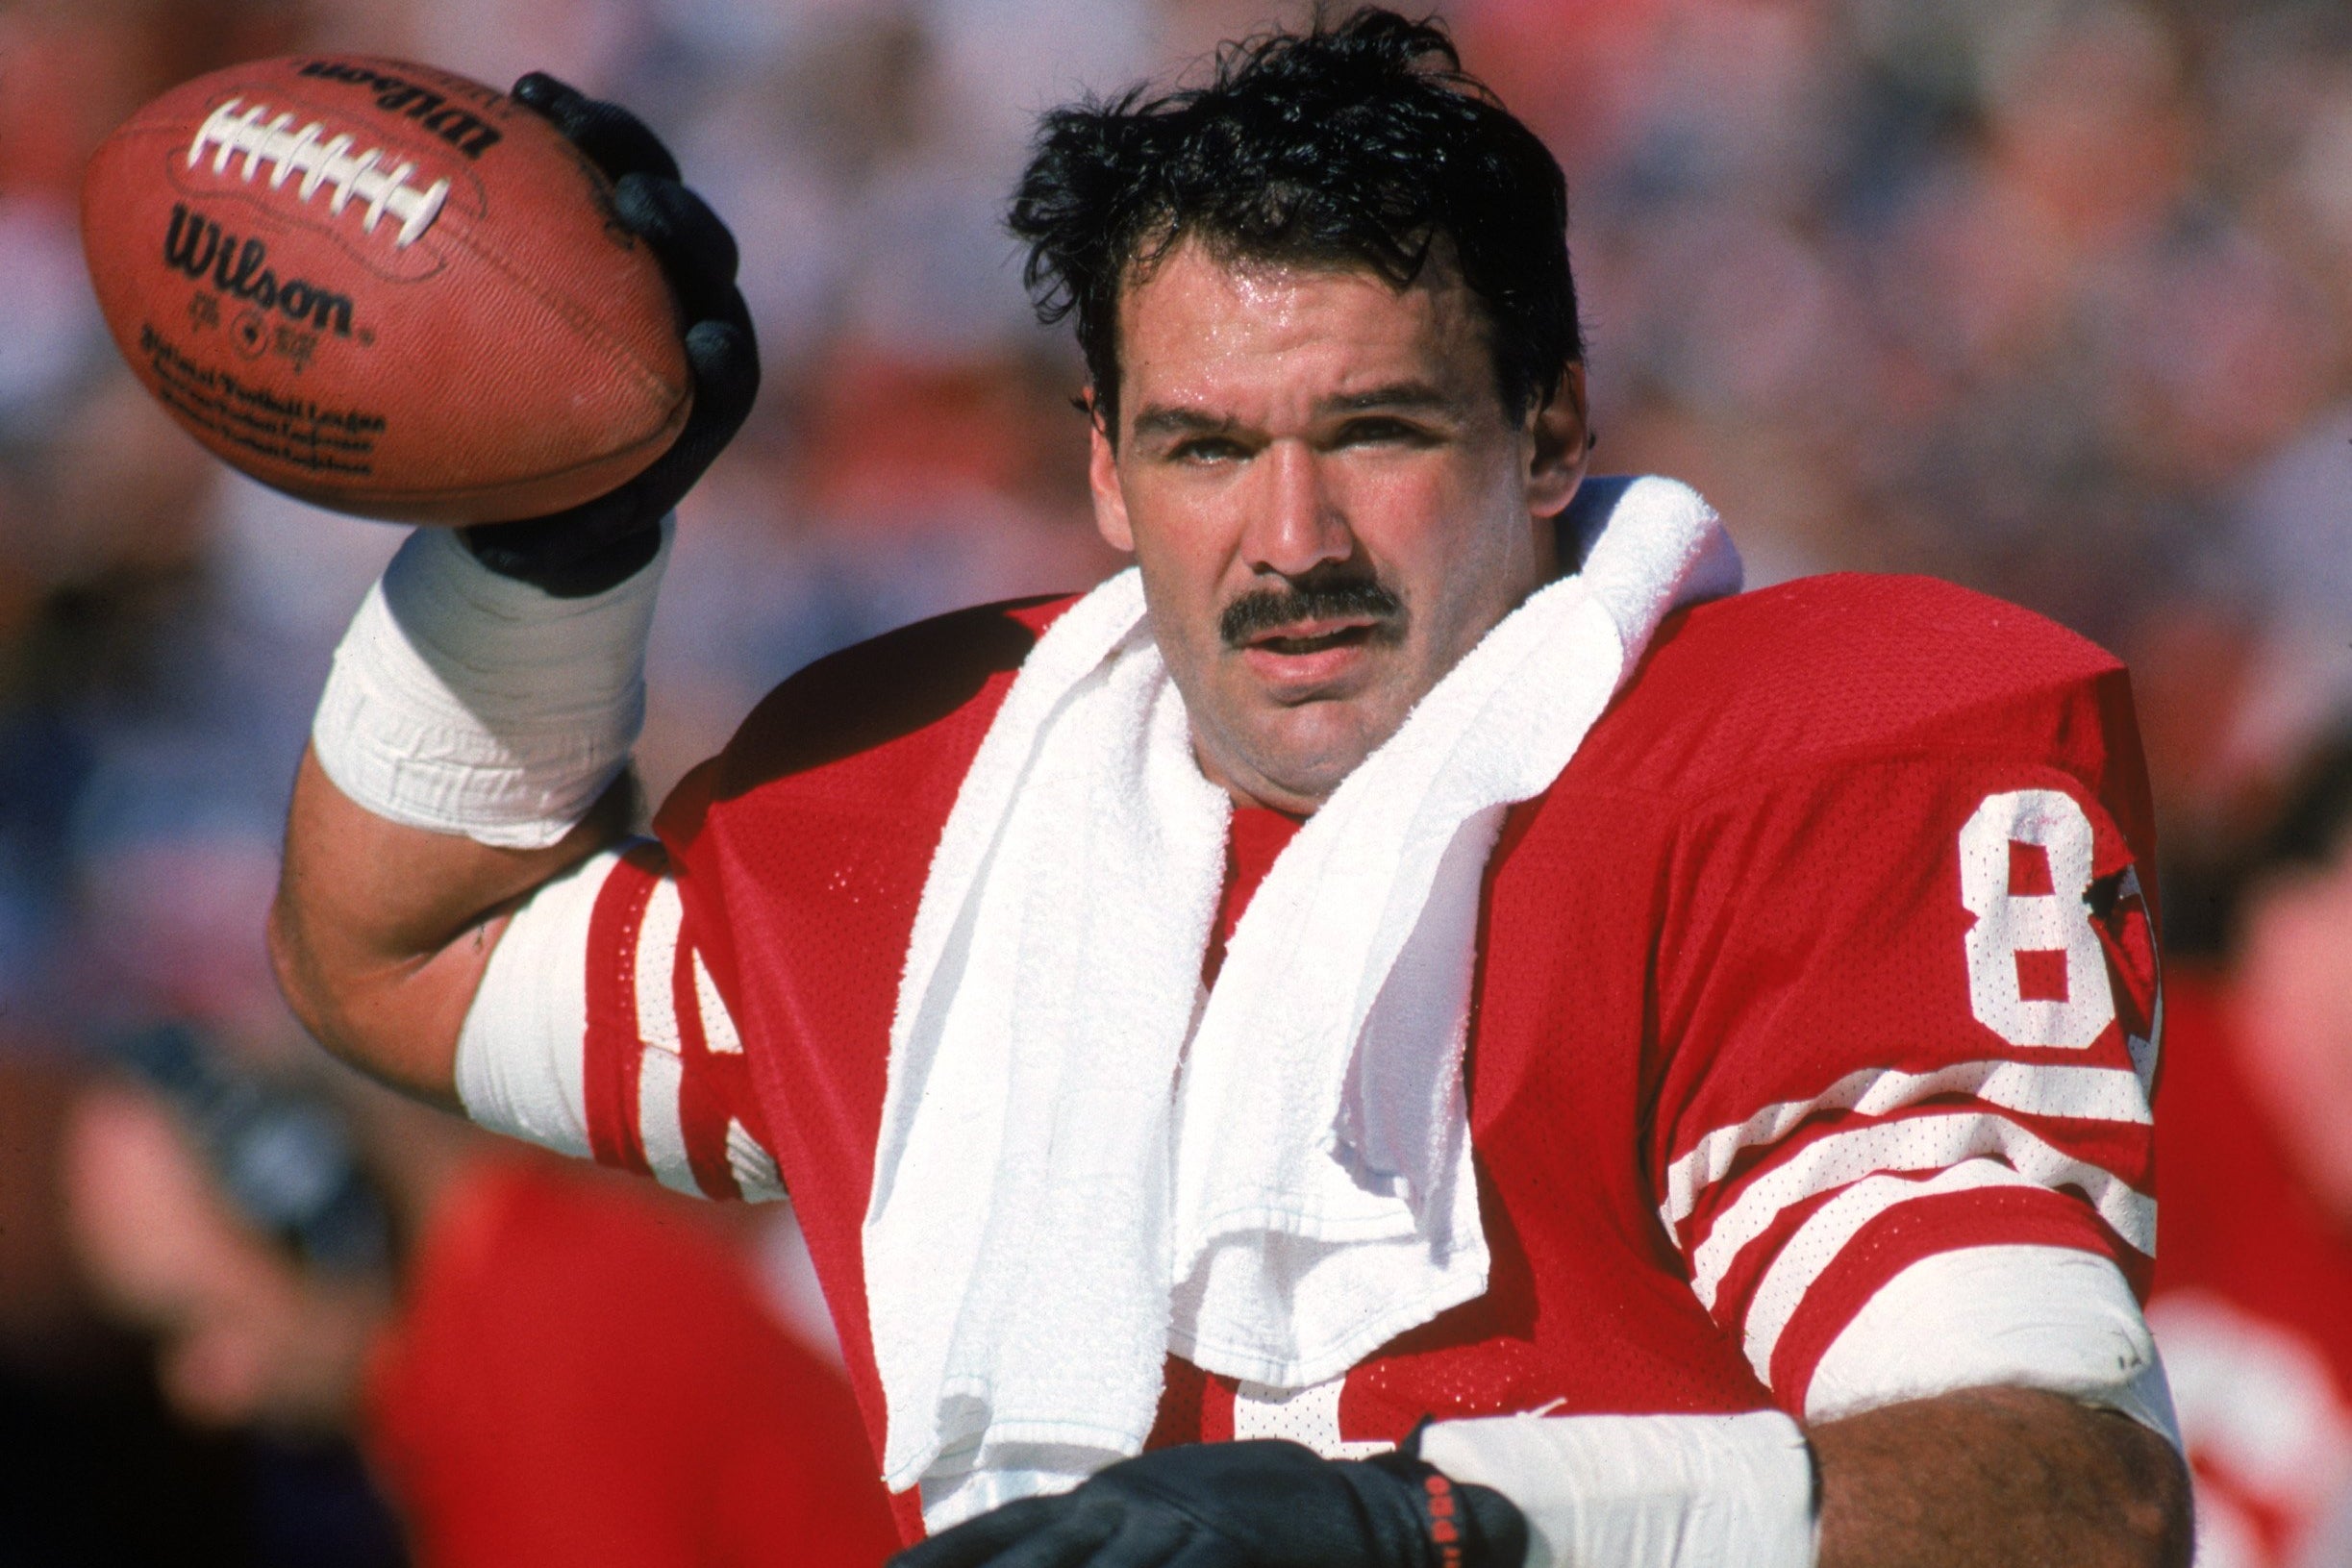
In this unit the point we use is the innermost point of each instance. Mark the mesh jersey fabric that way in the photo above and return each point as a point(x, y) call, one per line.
point(1759, 1019)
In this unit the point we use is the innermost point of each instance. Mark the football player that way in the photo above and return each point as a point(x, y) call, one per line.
point(2258, 1242)
point(540, 1367)
point(1420, 1026)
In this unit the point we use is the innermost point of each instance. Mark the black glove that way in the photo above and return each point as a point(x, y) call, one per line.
point(588, 548)
point(1251, 1505)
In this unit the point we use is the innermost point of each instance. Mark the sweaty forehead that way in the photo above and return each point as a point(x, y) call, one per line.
point(1248, 338)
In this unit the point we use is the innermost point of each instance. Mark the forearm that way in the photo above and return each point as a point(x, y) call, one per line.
point(1998, 1476)
point(471, 743)
point(381, 932)
point(1993, 1474)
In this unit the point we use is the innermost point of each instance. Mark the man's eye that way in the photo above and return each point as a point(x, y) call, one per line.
point(1206, 449)
point(1383, 433)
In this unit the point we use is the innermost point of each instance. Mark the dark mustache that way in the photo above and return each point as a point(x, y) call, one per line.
point(1269, 609)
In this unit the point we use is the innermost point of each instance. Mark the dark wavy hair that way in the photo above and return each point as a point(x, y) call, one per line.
point(1356, 142)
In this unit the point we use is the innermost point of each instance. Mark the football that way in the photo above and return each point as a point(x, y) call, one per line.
point(384, 288)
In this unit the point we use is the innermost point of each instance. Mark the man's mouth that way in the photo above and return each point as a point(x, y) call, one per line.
point(1315, 636)
point(1308, 640)
point(1312, 618)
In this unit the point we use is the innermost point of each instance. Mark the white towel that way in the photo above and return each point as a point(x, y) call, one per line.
point(1084, 1163)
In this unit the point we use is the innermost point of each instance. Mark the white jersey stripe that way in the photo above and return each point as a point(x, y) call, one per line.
point(1915, 1143)
point(756, 1176)
point(656, 969)
point(2146, 1053)
point(659, 1126)
point(2105, 1094)
point(718, 1031)
point(1817, 1243)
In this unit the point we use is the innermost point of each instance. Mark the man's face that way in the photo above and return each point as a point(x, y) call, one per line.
point(1329, 504)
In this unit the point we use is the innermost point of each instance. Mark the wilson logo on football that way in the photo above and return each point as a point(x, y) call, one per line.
point(462, 129)
point(236, 131)
point(198, 246)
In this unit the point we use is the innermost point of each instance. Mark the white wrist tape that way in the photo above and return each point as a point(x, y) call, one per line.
point(467, 702)
point(1644, 1491)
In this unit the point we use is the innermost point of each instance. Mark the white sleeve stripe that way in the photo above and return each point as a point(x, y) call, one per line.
point(756, 1176)
point(522, 1049)
point(1818, 1242)
point(2031, 1316)
point(656, 969)
point(1915, 1143)
point(659, 1129)
point(718, 1031)
point(2105, 1094)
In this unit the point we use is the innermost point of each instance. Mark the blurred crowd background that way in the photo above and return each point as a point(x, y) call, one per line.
point(2048, 297)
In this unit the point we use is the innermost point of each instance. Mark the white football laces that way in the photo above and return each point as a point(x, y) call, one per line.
point(235, 130)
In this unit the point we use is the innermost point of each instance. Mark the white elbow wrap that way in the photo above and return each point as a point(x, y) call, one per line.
point(467, 702)
point(2030, 1317)
point(1644, 1491)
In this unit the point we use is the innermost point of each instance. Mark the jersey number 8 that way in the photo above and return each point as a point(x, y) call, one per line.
point(2022, 933)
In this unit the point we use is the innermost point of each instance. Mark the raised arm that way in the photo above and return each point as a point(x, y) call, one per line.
point(381, 930)
point(473, 739)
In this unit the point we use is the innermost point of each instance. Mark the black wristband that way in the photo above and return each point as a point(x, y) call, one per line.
point(1466, 1524)
point(528, 552)
point(603, 542)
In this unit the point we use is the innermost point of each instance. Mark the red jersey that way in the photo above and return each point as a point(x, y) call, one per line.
point(576, 1377)
point(2250, 1307)
point(1824, 954)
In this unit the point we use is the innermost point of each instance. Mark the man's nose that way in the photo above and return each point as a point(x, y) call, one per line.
point(1296, 523)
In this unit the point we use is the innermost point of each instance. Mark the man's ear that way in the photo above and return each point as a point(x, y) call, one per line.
point(1103, 479)
point(1560, 446)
